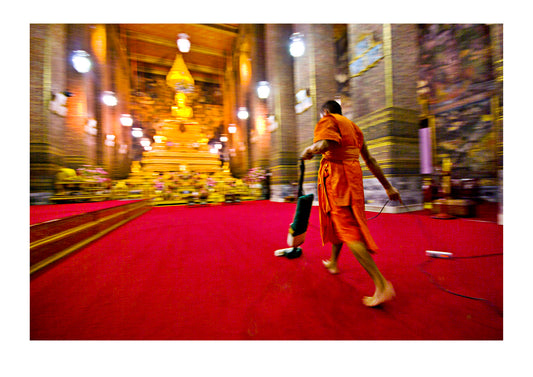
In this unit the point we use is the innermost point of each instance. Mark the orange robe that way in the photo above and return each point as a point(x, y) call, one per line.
point(340, 183)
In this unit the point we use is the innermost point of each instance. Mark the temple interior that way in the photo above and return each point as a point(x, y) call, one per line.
point(163, 174)
point(210, 113)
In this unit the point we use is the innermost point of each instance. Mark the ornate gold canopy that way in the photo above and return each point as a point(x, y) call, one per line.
point(179, 77)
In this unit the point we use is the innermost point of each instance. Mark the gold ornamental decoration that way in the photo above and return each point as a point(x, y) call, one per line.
point(179, 77)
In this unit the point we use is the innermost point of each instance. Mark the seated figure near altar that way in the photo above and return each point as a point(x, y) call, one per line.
point(181, 110)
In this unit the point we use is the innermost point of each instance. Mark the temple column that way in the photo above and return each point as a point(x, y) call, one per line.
point(78, 145)
point(47, 76)
point(384, 70)
point(314, 79)
point(283, 151)
point(260, 137)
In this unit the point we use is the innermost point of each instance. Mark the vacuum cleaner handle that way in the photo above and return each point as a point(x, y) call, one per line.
point(301, 181)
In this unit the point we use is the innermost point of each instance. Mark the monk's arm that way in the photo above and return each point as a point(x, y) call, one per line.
point(375, 169)
point(319, 147)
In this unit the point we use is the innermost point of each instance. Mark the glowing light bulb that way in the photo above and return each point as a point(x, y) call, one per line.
point(243, 113)
point(297, 47)
point(81, 61)
point(109, 98)
point(184, 45)
point(126, 120)
point(263, 89)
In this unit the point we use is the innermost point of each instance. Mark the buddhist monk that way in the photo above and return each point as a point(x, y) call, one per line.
point(341, 196)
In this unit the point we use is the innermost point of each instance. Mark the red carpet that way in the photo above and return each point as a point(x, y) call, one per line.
point(209, 273)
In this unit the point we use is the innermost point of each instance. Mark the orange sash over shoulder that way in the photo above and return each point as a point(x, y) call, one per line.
point(340, 179)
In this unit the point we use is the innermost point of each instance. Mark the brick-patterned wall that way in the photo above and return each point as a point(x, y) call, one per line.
point(38, 83)
point(404, 66)
point(40, 168)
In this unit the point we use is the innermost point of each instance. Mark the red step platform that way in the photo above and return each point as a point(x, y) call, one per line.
point(54, 239)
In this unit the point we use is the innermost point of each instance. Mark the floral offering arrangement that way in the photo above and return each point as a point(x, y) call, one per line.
point(92, 173)
point(255, 175)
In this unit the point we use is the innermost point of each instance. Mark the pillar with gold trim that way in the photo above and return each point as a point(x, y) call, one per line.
point(283, 151)
point(383, 69)
point(314, 84)
point(47, 79)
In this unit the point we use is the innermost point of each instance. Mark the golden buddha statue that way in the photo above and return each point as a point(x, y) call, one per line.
point(181, 110)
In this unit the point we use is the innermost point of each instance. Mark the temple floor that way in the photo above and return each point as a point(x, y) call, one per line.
point(209, 273)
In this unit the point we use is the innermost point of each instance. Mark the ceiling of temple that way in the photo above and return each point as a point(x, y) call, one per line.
point(152, 48)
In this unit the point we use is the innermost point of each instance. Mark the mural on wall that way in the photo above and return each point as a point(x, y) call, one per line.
point(367, 54)
point(455, 61)
point(342, 74)
point(465, 134)
point(456, 80)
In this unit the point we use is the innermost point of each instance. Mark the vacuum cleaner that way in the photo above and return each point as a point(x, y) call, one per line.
point(298, 227)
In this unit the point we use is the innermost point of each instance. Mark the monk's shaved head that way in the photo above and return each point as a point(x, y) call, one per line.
point(333, 107)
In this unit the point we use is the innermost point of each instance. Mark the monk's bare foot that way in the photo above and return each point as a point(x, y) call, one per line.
point(332, 267)
point(380, 296)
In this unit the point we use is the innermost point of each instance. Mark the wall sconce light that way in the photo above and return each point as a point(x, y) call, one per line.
point(184, 45)
point(109, 98)
point(126, 120)
point(90, 127)
point(160, 139)
point(223, 139)
point(243, 113)
point(232, 128)
point(297, 46)
point(110, 140)
point(145, 142)
point(272, 124)
point(80, 61)
point(137, 132)
point(263, 89)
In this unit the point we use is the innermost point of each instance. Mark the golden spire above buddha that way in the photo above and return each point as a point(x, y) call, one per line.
point(179, 77)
